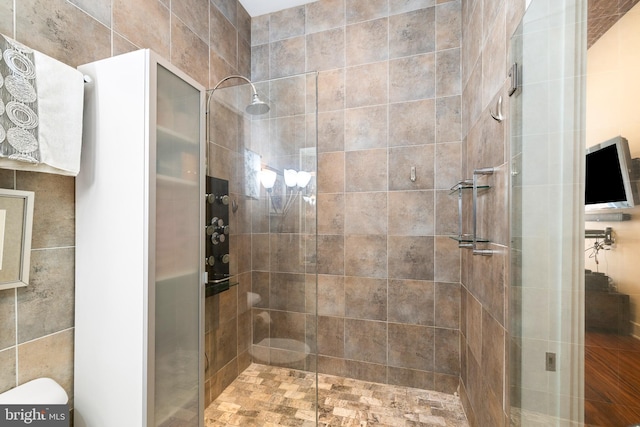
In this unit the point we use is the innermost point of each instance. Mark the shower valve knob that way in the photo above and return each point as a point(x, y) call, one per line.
point(217, 222)
point(224, 258)
point(210, 261)
point(217, 229)
point(223, 200)
point(218, 238)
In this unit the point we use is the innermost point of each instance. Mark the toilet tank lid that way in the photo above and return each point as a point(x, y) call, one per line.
point(41, 391)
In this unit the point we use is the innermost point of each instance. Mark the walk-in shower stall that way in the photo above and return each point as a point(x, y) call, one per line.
point(267, 154)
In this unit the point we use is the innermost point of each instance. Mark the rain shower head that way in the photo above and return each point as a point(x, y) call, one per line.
point(256, 107)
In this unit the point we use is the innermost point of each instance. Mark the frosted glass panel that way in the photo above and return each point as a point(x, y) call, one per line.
point(177, 297)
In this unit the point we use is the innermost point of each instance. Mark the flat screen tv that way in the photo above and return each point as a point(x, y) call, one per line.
point(609, 181)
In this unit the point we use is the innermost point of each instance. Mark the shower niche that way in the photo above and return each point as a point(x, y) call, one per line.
point(217, 235)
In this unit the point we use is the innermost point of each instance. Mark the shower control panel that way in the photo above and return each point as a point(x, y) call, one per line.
point(216, 234)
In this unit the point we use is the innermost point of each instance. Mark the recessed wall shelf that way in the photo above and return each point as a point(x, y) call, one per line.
point(471, 240)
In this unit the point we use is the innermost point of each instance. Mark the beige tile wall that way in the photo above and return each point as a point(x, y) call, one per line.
point(383, 107)
point(487, 28)
point(206, 39)
point(389, 98)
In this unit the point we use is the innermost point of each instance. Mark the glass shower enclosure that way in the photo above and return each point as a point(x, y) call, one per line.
point(547, 228)
point(267, 316)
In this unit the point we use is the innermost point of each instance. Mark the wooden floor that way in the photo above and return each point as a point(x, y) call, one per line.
point(612, 380)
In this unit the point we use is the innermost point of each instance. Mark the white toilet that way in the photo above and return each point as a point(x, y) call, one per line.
point(41, 391)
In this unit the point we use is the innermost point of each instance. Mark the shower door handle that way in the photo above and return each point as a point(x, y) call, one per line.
point(474, 243)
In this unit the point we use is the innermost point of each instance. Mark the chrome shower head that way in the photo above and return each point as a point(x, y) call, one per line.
point(257, 106)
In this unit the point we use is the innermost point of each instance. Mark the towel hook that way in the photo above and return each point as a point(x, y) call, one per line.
point(497, 116)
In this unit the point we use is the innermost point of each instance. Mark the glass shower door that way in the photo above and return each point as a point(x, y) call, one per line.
point(547, 157)
point(264, 326)
point(178, 255)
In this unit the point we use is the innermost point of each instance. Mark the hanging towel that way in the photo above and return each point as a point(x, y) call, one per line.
point(41, 104)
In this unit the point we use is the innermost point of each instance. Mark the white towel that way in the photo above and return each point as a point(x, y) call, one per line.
point(41, 105)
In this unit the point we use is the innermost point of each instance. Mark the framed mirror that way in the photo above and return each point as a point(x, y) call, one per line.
point(16, 221)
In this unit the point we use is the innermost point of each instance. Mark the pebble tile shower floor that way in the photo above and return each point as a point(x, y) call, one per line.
point(266, 396)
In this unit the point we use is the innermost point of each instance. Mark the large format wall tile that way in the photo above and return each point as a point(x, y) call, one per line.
point(411, 346)
point(412, 78)
point(367, 42)
point(412, 33)
point(366, 170)
point(54, 208)
point(365, 256)
point(389, 100)
point(6, 17)
point(325, 50)
point(412, 302)
point(46, 305)
point(324, 15)
point(412, 123)
point(366, 85)
point(62, 31)
point(8, 375)
point(287, 23)
point(448, 25)
point(365, 340)
point(411, 257)
point(331, 297)
point(220, 28)
point(229, 9)
point(401, 159)
point(365, 213)
point(7, 317)
point(366, 128)
point(365, 10)
point(331, 130)
point(195, 15)
point(411, 213)
point(448, 120)
point(331, 254)
point(51, 356)
point(189, 52)
point(130, 19)
point(331, 337)
point(365, 298)
point(99, 9)
point(447, 305)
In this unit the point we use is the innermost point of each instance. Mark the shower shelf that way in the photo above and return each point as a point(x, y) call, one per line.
point(471, 240)
point(467, 184)
point(215, 287)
